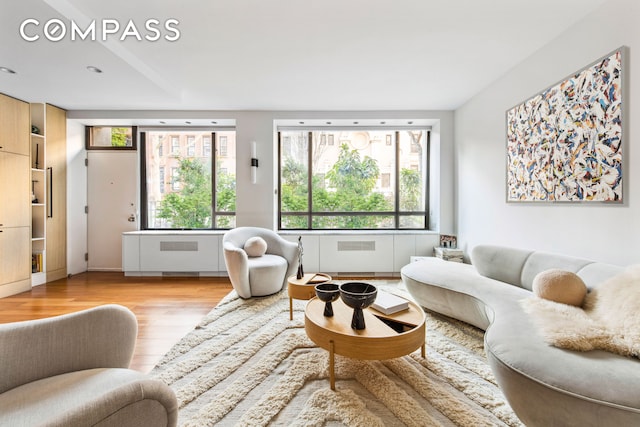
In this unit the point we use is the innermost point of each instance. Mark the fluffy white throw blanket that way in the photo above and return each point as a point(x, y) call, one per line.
point(609, 319)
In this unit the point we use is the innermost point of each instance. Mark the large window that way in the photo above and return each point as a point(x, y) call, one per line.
point(368, 179)
point(187, 188)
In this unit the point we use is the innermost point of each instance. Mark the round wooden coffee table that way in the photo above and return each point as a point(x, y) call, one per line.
point(384, 337)
point(304, 288)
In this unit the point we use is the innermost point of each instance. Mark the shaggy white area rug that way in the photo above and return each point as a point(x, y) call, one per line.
point(610, 319)
point(247, 364)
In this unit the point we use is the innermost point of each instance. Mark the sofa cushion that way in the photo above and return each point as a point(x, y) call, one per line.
point(609, 321)
point(255, 246)
point(264, 272)
point(86, 398)
point(500, 263)
point(539, 261)
point(560, 286)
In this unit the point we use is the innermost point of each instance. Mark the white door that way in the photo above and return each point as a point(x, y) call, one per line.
point(112, 190)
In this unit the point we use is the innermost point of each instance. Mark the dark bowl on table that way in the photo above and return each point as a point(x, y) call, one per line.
point(327, 292)
point(358, 294)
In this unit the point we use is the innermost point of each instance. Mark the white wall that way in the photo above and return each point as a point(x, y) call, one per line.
point(76, 199)
point(601, 232)
point(256, 203)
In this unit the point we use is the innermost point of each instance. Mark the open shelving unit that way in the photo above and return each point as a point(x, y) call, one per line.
point(38, 195)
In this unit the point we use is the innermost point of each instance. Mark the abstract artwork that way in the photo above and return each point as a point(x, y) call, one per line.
point(565, 144)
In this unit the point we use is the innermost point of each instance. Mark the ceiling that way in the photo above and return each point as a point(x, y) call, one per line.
point(274, 54)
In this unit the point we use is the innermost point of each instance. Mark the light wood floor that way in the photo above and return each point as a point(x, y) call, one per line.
point(166, 308)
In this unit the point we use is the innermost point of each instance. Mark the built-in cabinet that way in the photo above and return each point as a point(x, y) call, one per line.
point(48, 193)
point(15, 214)
point(154, 253)
point(56, 153)
point(157, 253)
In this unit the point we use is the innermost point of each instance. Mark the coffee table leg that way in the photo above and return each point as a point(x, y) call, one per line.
point(422, 351)
point(290, 308)
point(332, 375)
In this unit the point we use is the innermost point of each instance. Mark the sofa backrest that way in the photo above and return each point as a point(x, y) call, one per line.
point(500, 263)
point(519, 266)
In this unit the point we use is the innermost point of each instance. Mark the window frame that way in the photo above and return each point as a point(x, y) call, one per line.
point(224, 147)
point(191, 146)
point(88, 140)
point(144, 208)
point(396, 213)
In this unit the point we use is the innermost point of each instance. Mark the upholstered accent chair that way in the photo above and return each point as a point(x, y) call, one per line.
point(258, 275)
point(72, 370)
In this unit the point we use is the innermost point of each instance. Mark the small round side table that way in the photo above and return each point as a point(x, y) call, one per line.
point(304, 288)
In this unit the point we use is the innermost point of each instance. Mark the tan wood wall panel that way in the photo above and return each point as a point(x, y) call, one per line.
point(14, 125)
point(15, 200)
point(15, 190)
point(56, 239)
point(15, 255)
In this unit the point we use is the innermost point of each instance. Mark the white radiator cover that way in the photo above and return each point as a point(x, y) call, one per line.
point(165, 254)
point(155, 253)
point(369, 253)
point(377, 254)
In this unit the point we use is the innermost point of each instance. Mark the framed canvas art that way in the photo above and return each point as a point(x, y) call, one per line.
point(565, 143)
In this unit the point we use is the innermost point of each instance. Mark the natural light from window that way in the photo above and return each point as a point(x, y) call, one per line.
point(183, 187)
point(358, 180)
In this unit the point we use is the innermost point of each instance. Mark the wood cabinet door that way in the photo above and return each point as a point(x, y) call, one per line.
point(15, 190)
point(15, 127)
point(15, 254)
point(56, 157)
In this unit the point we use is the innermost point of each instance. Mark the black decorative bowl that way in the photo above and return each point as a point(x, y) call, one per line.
point(327, 292)
point(358, 295)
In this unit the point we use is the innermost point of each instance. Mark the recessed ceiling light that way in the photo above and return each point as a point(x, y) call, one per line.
point(214, 122)
point(410, 123)
point(355, 123)
point(328, 123)
point(187, 122)
point(383, 123)
point(163, 122)
point(94, 69)
point(7, 70)
point(301, 123)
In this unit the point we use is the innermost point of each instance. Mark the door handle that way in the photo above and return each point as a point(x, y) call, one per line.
point(50, 190)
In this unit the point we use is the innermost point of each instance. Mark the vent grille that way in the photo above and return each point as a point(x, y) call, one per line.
point(350, 275)
point(364, 245)
point(178, 246)
point(180, 274)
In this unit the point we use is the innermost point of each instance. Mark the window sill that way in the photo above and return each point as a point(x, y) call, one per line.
point(356, 232)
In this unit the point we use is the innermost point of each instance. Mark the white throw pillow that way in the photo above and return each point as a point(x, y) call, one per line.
point(255, 246)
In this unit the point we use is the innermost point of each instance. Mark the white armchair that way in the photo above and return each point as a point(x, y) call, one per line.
point(72, 370)
point(259, 275)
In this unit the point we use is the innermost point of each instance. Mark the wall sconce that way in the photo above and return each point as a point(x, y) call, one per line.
point(254, 163)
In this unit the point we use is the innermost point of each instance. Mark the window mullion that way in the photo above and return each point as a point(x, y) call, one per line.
point(425, 175)
point(143, 180)
point(397, 180)
point(280, 180)
point(310, 180)
point(214, 171)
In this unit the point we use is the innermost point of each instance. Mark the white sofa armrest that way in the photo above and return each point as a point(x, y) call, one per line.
point(237, 262)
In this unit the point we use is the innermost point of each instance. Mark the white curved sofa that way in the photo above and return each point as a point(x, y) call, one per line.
point(545, 385)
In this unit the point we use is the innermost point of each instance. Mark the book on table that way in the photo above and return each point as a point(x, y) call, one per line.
point(388, 303)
